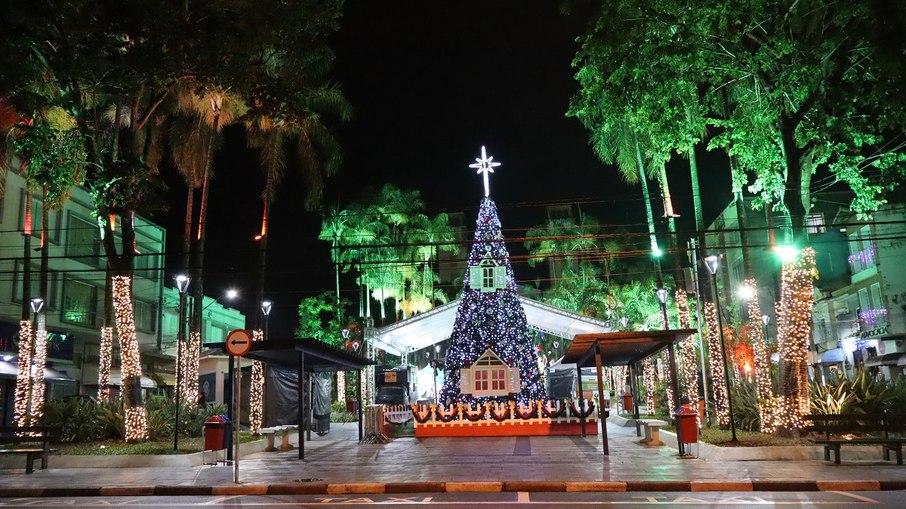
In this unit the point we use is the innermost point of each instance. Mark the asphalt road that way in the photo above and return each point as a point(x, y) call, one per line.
point(829, 499)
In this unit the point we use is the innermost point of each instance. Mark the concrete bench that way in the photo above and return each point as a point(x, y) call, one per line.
point(282, 432)
point(652, 431)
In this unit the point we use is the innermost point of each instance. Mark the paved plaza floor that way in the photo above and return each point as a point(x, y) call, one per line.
point(338, 458)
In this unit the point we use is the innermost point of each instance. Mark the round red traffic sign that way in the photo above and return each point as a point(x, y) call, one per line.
point(238, 342)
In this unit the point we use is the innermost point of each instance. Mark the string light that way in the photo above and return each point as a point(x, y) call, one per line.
point(490, 317)
point(665, 379)
point(718, 383)
point(190, 375)
point(648, 378)
point(688, 372)
point(23, 377)
point(256, 393)
point(341, 386)
point(105, 355)
point(762, 363)
point(39, 363)
point(794, 315)
point(136, 418)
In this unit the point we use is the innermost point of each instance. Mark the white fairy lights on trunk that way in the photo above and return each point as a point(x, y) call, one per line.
point(40, 362)
point(23, 377)
point(341, 386)
point(648, 377)
point(688, 370)
point(136, 418)
point(105, 358)
point(762, 363)
point(190, 375)
point(256, 394)
point(793, 328)
point(718, 383)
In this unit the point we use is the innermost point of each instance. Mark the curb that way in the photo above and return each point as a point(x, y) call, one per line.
point(455, 487)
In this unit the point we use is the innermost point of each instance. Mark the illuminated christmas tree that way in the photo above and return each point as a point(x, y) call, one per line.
point(491, 355)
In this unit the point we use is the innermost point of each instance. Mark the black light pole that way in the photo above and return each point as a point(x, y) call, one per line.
point(765, 320)
point(266, 306)
point(37, 304)
point(182, 284)
point(713, 262)
point(662, 298)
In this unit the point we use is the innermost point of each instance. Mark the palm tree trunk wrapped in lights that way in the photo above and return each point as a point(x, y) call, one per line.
point(762, 363)
point(105, 359)
point(719, 386)
point(256, 393)
point(38, 386)
point(688, 370)
point(190, 375)
point(136, 417)
point(793, 328)
point(23, 377)
point(648, 377)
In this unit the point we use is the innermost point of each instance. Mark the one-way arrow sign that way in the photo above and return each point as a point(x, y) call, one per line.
point(238, 342)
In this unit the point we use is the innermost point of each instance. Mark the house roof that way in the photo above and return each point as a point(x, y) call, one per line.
point(434, 326)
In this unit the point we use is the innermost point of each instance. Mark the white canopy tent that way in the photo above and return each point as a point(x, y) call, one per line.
point(434, 326)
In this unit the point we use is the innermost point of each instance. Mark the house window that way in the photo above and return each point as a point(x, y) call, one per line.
point(79, 303)
point(144, 316)
point(481, 380)
point(82, 241)
point(487, 277)
point(498, 380)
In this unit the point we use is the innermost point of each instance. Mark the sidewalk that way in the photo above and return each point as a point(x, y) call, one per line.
point(336, 463)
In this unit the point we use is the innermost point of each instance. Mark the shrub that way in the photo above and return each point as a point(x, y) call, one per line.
point(835, 397)
point(76, 418)
point(113, 419)
point(745, 406)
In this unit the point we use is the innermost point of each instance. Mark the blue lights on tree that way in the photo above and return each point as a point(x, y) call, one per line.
point(490, 316)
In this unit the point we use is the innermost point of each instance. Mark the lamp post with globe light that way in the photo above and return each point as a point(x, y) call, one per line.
point(182, 285)
point(662, 298)
point(712, 262)
point(266, 306)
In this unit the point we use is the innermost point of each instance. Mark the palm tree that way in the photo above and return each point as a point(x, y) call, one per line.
point(316, 150)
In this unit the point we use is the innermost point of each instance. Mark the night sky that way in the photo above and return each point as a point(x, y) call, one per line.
point(430, 83)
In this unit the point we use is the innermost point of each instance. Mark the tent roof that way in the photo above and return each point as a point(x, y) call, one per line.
point(621, 348)
point(434, 326)
point(319, 356)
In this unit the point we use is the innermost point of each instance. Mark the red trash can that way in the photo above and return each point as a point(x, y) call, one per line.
point(627, 402)
point(214, 433)
point(687, 425)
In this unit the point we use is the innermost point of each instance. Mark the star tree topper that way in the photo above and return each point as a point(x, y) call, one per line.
point(485, 165)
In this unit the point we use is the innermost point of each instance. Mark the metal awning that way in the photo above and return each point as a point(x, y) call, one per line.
point(431, 327)
point(621, 348)
point(319, 356)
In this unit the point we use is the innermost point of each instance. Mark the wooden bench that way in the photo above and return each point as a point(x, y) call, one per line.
point(864, 429)
point(652, 431)
point(26, 439)
point(282, 432)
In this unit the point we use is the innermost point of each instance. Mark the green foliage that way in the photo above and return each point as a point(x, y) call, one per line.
point(76, 418)
point(318, 319)
point(113, 417)
point(745, 406)
point(834, 397)
point(863, 394)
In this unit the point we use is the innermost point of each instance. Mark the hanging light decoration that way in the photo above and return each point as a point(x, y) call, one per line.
point(256, 394)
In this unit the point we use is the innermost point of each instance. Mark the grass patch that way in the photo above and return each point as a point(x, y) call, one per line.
point(722, 437)
point(155, 447)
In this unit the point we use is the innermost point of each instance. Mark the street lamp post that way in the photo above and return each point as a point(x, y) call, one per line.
point(37, 304)
point(624, 321)
point(713, 262)
point(182, 284)
point(266, 311)
point(765, 320)
point(662, 298)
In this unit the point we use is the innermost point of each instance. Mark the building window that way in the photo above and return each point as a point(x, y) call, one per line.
point(144, 316)
point(82, 241)
point(498, 380)
point(481, 380)
point(814, 223)
point(147, 262)
point(79, 303)
point(50, 300)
